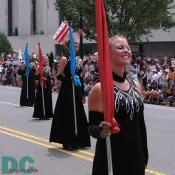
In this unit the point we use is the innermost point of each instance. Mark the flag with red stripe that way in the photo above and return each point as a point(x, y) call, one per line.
point(62, 33)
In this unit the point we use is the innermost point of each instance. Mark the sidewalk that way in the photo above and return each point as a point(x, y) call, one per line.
point(159, 103)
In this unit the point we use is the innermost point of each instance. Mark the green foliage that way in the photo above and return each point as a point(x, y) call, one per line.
point(130, 18)
point(5, 46)
point(167, 22)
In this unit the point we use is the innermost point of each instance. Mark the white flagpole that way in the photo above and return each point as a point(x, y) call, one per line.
point(43, 99)
point(27, 88)
point(109, 155)
point(75, 115)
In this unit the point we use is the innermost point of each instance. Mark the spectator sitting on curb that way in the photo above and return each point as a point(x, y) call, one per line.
point(171, 98)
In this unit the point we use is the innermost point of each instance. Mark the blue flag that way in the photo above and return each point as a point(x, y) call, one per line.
point(72, 60)
point(26, 59)
point(72, 53)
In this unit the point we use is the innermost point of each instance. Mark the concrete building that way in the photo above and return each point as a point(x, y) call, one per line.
point(29, 21)
point(36, 21)
point(161, 43)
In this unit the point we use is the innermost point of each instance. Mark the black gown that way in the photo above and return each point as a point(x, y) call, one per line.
point(63, 126)
point(129, 146)
point(38, 106)
point(24, 100)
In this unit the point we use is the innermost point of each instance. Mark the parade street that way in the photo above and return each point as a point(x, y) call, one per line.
point(21, 136)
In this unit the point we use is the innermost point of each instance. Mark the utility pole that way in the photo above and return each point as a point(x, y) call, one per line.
point(81, 35)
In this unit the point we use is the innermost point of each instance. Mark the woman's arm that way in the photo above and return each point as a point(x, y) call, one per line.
point(95, 101)
point(98, 128)
point(62, 65)
point(139, 89)
point(60, 71)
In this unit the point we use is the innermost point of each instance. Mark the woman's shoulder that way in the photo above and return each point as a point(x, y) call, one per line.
point(95, 101)
point(96, 90)
point(63, 60)
point(139, 88)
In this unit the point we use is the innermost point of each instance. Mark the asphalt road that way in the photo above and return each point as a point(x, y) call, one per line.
point(20, 136)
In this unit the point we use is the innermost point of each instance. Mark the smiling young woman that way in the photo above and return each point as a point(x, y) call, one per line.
point(129, 146)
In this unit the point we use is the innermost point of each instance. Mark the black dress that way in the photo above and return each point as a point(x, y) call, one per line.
point(24, 100)
point(129, 146)
point(47, 89)
point(63, 126)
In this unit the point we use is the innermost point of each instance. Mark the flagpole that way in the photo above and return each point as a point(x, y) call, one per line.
point(72, 70)
point(74, 105)
point(27, 88)
point(43, 98)
point(41, 76)
point(105, 74)
point(109, 155)
point(81, 35)
point(27, 71)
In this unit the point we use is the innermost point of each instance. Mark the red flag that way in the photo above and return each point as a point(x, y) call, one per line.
point(41, 66)
point(105, 66)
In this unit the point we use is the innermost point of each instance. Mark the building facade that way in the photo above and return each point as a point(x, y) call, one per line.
point(29, 21)
point(161, 43)
point(33, 21)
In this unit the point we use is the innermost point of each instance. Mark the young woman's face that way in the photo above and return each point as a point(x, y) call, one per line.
point(76, 45)
point(46, 61)
point(120, 52)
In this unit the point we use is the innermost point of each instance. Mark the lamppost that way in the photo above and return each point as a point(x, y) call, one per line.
point(81, 35)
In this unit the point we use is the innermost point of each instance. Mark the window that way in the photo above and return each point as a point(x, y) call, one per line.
point(10, 24)
point(34, 16)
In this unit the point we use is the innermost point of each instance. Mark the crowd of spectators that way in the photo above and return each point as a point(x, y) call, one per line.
point(9, 71)
point(156, 75)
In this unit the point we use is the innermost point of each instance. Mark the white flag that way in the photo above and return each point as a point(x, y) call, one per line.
point(62, 33)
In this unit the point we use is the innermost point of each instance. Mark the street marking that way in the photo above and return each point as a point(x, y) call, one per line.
point(40, 139)
point(154, 172)
point(147, 105)
point(24, 134)
point(48, 146)
point(26, 139)
point(8, 103)
point(57, 149)
point(13, 104)
point(10, 87)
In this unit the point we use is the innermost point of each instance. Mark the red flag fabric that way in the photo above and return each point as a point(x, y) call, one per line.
point(42, 78)
point(105, 66)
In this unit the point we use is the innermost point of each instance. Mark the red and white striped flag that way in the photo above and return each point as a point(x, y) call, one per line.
point(62, 33)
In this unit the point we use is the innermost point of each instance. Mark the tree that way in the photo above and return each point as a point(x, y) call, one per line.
point(5, 46)
point(133, 18)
